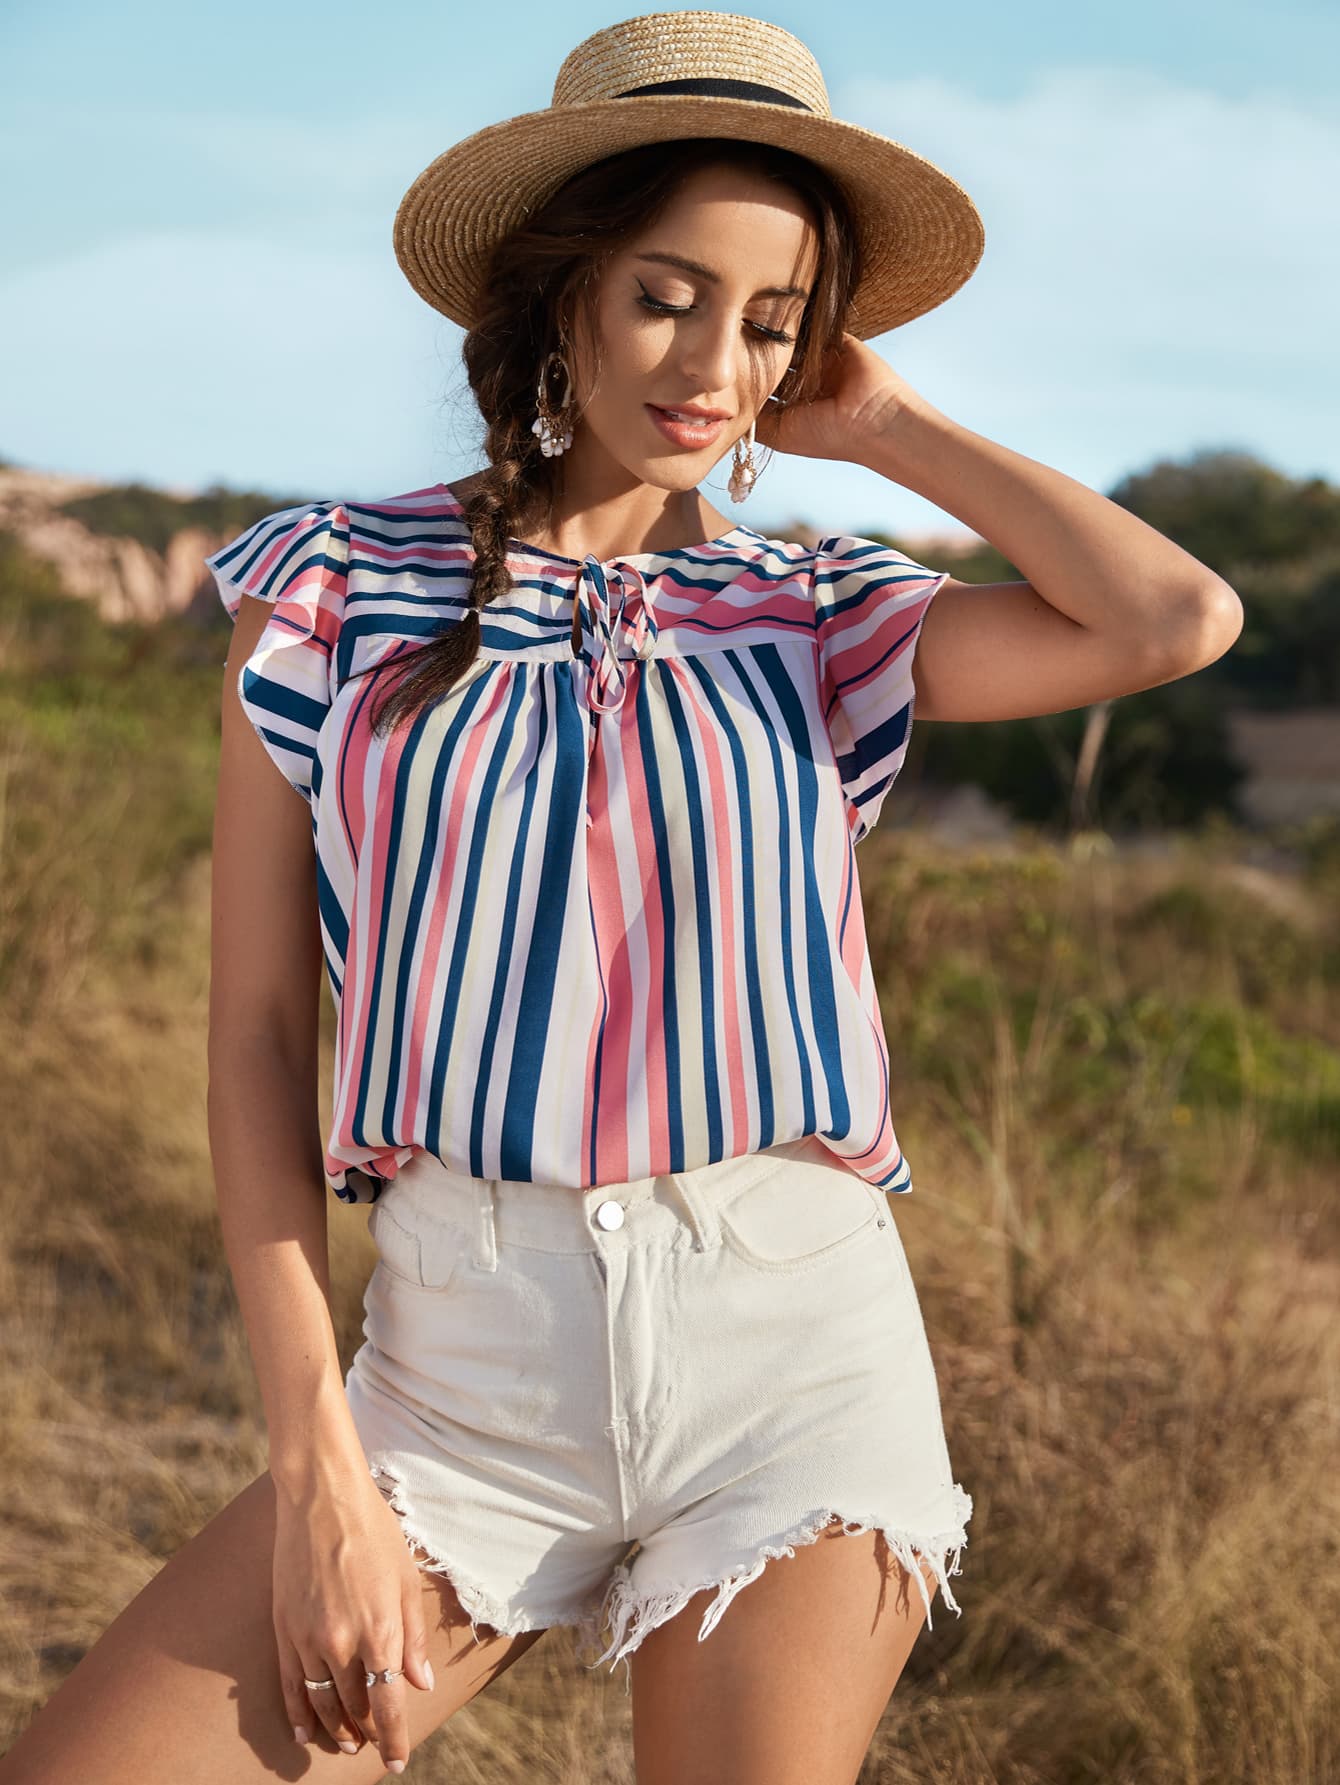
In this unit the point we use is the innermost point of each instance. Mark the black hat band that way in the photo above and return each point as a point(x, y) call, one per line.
point(710, 88)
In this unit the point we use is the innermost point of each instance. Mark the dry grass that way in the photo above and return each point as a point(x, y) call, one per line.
point(1119, 1086)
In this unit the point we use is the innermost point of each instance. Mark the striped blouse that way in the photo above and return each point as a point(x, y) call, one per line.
point(595, 914)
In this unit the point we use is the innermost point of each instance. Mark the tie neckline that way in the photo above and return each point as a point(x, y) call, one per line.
point(607, 624)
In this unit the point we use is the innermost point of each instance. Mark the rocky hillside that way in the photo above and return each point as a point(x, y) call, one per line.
point(126, 578)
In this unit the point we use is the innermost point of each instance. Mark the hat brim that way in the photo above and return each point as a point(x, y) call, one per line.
point(921, 234)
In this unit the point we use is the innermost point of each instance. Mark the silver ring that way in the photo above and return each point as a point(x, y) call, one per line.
point(319, 1685)
point(386, 1675)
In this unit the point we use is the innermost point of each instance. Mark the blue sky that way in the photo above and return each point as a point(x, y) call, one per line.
point(197, 281)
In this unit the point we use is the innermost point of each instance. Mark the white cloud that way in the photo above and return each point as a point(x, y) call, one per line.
point(1159, 266)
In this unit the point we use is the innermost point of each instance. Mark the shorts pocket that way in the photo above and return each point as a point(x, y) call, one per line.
point(425, 1256)
point(798, 1218)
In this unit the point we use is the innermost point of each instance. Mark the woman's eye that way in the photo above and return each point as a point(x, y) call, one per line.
point(650, 303)
point(666, 309)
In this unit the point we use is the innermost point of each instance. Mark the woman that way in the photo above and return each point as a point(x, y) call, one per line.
point(584, 765)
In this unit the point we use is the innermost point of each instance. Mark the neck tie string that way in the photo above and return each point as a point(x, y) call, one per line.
point(605, 624)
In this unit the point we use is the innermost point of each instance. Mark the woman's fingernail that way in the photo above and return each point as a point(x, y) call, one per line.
point(350, 1747)
point(300, 1735)
point(428, 1675)
point(395, 1766)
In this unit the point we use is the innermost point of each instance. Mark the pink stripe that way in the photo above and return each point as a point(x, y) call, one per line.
point(854, 664)
point(651, 1040)
point(613, 925)
point(395, 555)
point(609, 928)
point(714, 613)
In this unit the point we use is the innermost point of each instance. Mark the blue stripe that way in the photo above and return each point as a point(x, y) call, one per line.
point(778, 802)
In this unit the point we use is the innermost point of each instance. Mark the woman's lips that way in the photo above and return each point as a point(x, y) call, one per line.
point(685, 433)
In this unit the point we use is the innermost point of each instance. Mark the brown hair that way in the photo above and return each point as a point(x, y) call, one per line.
point(540, 280)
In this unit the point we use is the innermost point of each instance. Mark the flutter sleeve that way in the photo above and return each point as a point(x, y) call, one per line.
point(298, 560)
point(870, 602)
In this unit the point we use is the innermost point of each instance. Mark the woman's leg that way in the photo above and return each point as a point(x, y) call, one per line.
point(184, 1683)
point(789, 1688)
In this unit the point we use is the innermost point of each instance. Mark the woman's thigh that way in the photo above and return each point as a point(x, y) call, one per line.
point(184, 1683)
point(789, 1688)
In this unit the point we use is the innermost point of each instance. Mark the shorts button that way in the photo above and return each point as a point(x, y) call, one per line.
point(610, 1214)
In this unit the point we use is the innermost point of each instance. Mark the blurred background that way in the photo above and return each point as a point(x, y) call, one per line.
point(1107, 940)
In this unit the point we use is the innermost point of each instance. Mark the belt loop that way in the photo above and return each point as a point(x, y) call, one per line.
point(486, 1228)
point(701, 1211)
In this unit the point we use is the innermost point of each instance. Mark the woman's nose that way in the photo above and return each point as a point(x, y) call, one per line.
point(713, 366)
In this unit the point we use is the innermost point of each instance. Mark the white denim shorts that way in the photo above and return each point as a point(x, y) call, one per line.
point(588, 1406)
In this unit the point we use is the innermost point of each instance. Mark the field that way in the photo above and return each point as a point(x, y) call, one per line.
point(1117, 1076)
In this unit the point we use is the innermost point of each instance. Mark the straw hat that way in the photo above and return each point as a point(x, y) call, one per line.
point(683, 74)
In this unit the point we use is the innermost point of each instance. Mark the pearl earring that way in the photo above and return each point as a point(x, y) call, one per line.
point(554, 426)
point(745, 473)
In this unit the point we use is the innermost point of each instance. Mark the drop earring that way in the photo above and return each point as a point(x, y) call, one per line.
point(554, 426)
point(745, 473)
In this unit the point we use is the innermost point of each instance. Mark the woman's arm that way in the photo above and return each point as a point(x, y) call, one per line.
point(1110, 606)
point(347, 1592)
point(264, 1131)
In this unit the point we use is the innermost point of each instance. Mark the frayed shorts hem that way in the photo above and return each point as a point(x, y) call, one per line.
point(629, 1614)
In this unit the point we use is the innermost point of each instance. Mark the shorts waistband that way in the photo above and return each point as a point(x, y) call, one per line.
point(561, 1219)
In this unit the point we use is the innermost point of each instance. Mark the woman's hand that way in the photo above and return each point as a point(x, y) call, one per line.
point(348, 1600)
point(859, 396)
